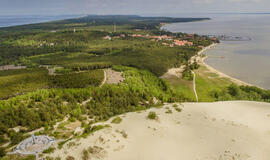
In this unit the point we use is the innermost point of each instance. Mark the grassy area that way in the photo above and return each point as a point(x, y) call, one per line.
point(18, 157)
point(117, 120)
point(210, 87)
point(206, 83)
point(182, 87)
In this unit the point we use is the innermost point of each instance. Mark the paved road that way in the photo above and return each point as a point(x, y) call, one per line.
point(194, 85)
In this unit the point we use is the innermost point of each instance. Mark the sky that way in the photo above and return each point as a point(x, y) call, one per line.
point(134, 7)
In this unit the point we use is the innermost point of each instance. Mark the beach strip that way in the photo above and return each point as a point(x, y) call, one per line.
point(201, 60)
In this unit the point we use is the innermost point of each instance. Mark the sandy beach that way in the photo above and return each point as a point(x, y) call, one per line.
point(211, 69)
point(177, 71)
point(201, 131)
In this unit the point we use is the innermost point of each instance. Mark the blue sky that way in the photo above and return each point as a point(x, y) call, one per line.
point(138, 7)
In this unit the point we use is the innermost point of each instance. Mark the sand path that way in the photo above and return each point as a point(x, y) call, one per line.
point(104, 80)
point(194, 85)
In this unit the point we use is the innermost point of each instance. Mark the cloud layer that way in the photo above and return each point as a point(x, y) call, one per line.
point(141, 7)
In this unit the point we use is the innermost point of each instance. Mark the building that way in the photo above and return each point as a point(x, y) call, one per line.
point(108, 38)
point(182, 43)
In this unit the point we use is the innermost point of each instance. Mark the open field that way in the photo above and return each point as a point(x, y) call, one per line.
point(206, 83)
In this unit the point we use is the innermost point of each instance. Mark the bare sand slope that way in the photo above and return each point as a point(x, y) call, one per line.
point(202, 131)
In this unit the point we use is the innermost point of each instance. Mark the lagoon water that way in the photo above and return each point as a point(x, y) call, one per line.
point(6, 21)
point(248, 61)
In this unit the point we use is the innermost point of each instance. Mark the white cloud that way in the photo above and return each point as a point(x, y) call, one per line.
point(130, 6)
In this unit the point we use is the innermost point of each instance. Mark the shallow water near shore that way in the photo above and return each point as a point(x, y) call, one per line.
point(248, 61)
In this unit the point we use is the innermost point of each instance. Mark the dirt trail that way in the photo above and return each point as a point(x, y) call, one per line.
point(104, 80)
point(194, 86)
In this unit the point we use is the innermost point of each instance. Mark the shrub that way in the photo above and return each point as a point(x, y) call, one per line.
point(70, 158)
point(85, 155)
point(61, 144)
point(187, 74)
point(175, 106)
point(124, 134)
point(2, 152)
point(178, 109)
point(193, 66)
point(58, 158)
point(49, 158)
point(234, 90)
point(152, 115)
point(95, 150)
point(169, 111)
point(89, 130)
point(49, 150)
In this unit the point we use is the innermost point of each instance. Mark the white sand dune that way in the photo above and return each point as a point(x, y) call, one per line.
point(202, 131)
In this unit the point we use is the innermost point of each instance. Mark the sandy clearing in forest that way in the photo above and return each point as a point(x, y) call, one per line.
point(114, 77)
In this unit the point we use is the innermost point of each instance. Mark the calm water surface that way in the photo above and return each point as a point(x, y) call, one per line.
point(248, 61)
point(6, 21)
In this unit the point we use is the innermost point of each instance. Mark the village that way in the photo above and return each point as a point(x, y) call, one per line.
point(166, 40)
point(176, 42)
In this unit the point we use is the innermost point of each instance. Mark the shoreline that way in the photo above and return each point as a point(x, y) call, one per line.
point(201, 60)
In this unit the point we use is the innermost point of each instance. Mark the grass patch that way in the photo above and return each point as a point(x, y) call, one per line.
point(49, 150)
point(70, 158)
point(117, 120)
point(92, 129)
point(207, 82)
point(152, 115)
point(169, 111)
point(85, 155)
point(61, 144)
point(18, 157)
point(182, 87)
point(177, 108)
